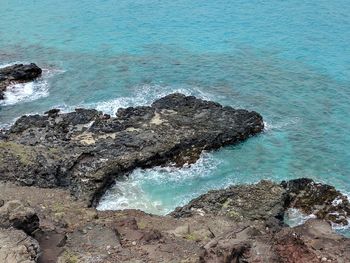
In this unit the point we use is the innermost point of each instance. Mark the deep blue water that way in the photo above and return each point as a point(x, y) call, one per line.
point(288, 60)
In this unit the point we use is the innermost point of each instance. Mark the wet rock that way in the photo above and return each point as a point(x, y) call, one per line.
point(17, 73)
point(16, 246)
point(322, 200)
point(268, 201)
point(85, 151)
point(52, 112)
point(15, 214)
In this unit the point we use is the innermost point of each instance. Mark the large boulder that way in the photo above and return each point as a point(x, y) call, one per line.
point(260, 201)
point(17, 247)
point(18, 215)
point(17, 73)
point(86, 150)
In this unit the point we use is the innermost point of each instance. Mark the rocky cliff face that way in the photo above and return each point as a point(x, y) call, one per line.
point(86, 150)
point(17, 73)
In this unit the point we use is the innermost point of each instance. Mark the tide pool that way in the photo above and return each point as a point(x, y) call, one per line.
point(288, 60)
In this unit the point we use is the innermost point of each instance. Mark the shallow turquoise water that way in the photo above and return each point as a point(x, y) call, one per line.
point(288, 60)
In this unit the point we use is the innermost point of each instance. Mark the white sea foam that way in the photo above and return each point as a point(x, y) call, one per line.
point(24, 92)
point(12, 63)
point(272, 126)
point(294, 217)
point(128, 193)
point(142, 95)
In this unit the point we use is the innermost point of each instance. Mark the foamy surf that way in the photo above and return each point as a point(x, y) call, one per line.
point(24, 92)
point(129, 192)
point(294, 217)
point(280, 126)
point(145, 95)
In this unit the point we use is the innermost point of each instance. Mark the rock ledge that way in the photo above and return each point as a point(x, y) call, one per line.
point(86, 150)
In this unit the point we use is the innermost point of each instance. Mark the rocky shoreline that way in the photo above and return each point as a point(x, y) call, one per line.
point(242, 223)
point(55, 167)
point(18, 73)
point(86, 150)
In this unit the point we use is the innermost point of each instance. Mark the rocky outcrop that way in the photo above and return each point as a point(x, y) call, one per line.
point(322, 200)
point(86, 150)
point(203, 231)
point(17, 247)
point(50, 159)
point(261, 234)
point(15, 214)
point(17, 222)
point(239, 202)
point(267, 201)
point(17, 73)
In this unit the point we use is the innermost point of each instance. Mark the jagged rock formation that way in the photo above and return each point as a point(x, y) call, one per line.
point(266, 200)
point(17, 73)
point(45, 159)
point(16, 246)
point(17, 221)
point(86, 150)
point(15, 214)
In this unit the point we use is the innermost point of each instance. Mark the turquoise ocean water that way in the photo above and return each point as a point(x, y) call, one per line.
point(288, 60)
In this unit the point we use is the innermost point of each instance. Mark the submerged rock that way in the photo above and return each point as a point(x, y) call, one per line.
point(86, 150)
point(17, 73)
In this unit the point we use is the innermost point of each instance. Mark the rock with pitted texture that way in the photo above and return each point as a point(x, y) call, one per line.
point(17, 247)
point(259, 201)
point(322, 200)
point(18, 215)
point(86, 150)
point(268, 201)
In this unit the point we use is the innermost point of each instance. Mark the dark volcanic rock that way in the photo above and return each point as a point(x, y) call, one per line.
point(268, 201)
point(260, 234)
point(243, 202)
point(322, 200)
point(86, 150)
point(17, 73)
